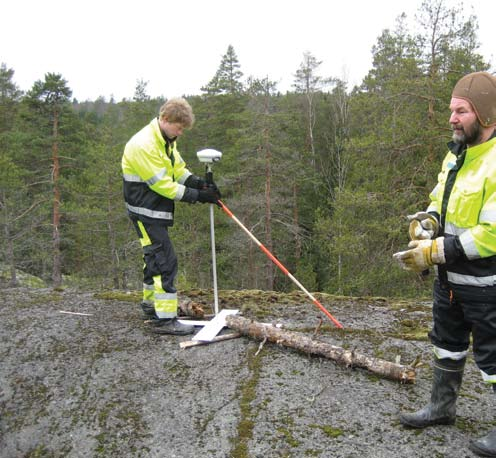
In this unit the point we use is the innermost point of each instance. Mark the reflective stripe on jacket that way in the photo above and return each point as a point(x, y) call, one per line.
point(470, 212)
point(153, 173)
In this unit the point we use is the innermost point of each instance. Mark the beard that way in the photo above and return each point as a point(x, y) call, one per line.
point(469, 135)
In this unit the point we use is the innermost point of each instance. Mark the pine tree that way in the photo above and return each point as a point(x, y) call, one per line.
point(398, 134)
point(308, 82)
point(16, 205)
point(50, 98)
point(227, 79)
point(9, 98)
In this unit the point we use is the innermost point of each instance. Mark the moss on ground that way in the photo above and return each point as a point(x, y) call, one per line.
point(247, 394)
point(328, 430)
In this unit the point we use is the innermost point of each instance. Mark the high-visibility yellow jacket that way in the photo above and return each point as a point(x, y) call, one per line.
point(465, 201)
point(154, 174)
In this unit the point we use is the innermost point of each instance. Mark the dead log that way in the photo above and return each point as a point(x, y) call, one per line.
point(304, 343)
point(191, 308)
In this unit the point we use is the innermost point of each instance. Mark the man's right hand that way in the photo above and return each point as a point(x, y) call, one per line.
point(422, 254)
point(209, 195)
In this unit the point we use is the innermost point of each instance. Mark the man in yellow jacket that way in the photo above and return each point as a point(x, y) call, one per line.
point(155, 176)
point(457, 235)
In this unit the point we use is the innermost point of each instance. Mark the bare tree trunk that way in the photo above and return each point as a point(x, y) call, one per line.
point(296, 222)
point(311, 125)
point(300, 341)
point(9, 248)
point(114, 257)
point(336, 170)
point(11, 260)
point(252, 265)
point(57, 261)
point(252, 270)
point(113, 253)
point(268, 212)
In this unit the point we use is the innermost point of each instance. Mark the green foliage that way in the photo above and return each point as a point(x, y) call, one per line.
point(306, 275)
point(227, 79)
point(322, 176)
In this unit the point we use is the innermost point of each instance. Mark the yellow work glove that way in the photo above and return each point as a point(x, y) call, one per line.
point(422, 254)
point(423, 226)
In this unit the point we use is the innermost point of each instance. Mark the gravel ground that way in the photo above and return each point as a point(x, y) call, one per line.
point(102, 385)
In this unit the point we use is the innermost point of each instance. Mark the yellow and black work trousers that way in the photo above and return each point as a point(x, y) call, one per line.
point(460, 312)
point(159, 270)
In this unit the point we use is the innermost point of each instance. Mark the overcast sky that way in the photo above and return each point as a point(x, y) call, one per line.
point(102, 48)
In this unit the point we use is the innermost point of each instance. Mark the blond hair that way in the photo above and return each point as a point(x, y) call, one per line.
point(179, 111)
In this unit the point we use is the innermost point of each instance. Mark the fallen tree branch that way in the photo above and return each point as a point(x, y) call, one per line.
point(76, 313)
point(261, 346)
point(300, 341)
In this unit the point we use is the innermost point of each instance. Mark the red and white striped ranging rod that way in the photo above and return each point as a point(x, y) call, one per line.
point(278, 264)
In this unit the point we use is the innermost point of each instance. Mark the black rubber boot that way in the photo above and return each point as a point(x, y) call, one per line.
point(148, 311)
point(447, 379)
point(171, 326)
point(485, 446)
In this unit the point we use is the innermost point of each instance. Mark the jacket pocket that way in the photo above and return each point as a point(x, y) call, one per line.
point(465, 205)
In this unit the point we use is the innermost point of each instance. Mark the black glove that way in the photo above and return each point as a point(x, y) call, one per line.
point(195, 182)
point(214, 187)
point(209, 195)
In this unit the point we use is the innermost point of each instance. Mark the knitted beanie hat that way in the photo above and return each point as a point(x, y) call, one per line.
point(479, 89)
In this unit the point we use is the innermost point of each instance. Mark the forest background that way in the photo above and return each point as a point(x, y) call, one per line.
point(323, 175)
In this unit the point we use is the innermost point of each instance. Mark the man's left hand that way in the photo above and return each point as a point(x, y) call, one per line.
point(422, 254)
point(422, 226)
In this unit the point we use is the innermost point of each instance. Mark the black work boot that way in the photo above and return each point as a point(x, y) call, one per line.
point(171, 326)
point(485, 446)
point(148, 311)
point(447, 379)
